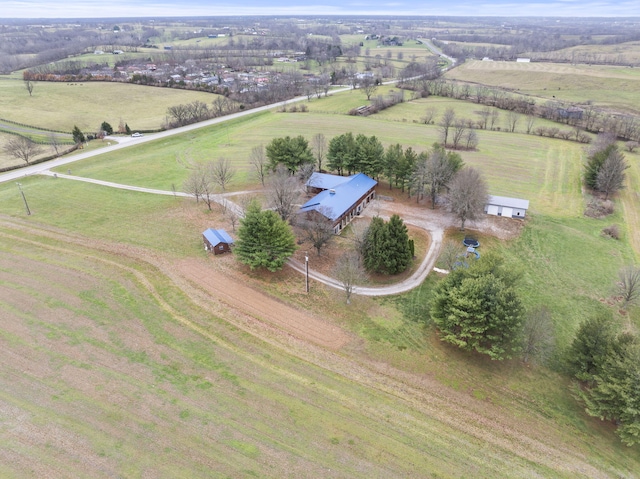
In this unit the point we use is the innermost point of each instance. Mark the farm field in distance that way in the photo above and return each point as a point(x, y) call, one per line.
point(612, 88)
point(129, 351)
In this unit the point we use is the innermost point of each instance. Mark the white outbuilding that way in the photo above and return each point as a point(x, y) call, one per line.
point(504, 206)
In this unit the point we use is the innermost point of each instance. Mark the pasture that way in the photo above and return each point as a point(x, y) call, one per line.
point(614, 88)
point(60, 106)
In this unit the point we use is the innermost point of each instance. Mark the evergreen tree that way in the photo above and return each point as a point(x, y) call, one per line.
point(478, 309)
point(106, 127)
point(290, 152)
point(369, 155)
point(405, 167)
point(78, 136)
point(374, 242)
point(392, 158)
point(397, 251)
point(341, 153)
point(264, 239)
point(591, 345)
point(386, 246)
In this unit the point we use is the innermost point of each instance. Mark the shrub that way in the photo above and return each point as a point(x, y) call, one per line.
point(599, 208)
point(612, 231)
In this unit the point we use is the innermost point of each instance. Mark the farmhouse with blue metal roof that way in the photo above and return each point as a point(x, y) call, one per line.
point(340, 199)
point(217, 241)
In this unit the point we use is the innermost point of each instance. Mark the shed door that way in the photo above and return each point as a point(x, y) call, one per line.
point(493, 210)
point(507, 212)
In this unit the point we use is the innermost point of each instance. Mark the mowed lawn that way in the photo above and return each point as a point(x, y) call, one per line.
point(616, 88)
point(60, 106)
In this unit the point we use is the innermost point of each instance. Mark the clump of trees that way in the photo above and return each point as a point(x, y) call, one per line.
point(478, 308)
point(606, 361)
point(605, 167)
point(264, 239)
point(186, 114)
point(387, 248)
point(349, 154)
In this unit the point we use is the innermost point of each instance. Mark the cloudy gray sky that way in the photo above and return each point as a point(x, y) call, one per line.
point(158, 8)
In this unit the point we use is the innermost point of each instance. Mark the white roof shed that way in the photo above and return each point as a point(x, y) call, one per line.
point(505, 206)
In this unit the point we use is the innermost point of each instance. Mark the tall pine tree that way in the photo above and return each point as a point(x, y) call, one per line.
point(264, 239)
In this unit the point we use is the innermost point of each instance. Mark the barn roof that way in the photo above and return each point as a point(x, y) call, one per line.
point(325, 181)
point(215, 237)
point(508, 202)
point(336, 201)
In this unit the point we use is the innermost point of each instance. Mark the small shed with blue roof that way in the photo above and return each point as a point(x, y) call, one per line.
point(341, 198)
point(217, 241)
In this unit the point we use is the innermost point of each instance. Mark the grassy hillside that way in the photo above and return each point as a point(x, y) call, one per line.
point(616, 88)
point(88, 104)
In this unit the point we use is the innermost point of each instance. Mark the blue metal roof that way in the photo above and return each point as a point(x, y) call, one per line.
point(335, 202)
point(325, 181)
point(215, 237)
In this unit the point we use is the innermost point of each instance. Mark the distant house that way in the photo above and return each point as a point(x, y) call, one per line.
point(509, 207)
point(523, 60)
point(339, 198)
point(217, 241)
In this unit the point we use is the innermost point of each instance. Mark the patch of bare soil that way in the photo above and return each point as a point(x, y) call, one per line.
point(240, 295)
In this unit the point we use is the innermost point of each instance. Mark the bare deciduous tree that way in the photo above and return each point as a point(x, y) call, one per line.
point(317, 230)
point(512, 120)
point(54, 143)
point(459, 129)
point(200, 183)
point(446, 122)
point(449, 254)
point(537, 336)
point(369, 86)
point(222, 172)
point(319, 145)
point(429, 114)
point(283, 190)
point(22, 148)
point(629, 285)
point(29, 84)
point(259, 162)
point(350, 272)
point(467, 195)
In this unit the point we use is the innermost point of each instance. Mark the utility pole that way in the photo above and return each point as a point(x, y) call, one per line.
point(306, 264)
point(24, 198)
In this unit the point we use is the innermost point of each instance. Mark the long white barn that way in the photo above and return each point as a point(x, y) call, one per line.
point(504, 206)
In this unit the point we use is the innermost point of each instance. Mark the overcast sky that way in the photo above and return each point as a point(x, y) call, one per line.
point(160, 8)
